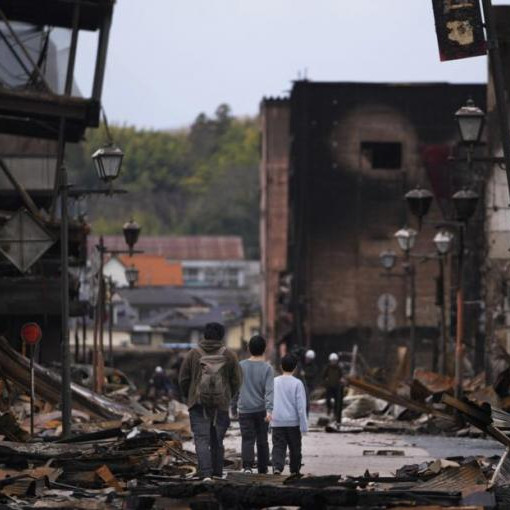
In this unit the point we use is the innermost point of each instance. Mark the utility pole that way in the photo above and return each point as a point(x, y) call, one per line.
point(64, 286)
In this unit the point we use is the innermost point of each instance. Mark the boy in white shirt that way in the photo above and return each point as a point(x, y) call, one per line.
point(289, 417)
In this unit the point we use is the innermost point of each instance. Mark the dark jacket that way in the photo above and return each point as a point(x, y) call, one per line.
point(331, 376)
point(189, 374)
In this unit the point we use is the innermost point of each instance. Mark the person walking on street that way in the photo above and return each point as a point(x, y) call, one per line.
point(332, 381)
point(159, 384)
point(209, 376)
point(310, 370)
point(255, 405)
point(307, 372)
point(289, 417)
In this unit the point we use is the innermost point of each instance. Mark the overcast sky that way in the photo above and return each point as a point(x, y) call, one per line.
point(169, 60)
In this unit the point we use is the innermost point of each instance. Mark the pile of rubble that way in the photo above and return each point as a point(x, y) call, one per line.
point(415, 407)
point(126, 453)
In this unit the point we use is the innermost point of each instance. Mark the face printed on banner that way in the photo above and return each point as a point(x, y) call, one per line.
point(460, 32)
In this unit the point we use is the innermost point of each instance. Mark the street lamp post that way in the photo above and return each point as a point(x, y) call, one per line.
point(442, 240)
point(111, 291)
point(406, 238)
point(419, 201)
point(464, 203)
point(110, 163)
point(132, 276)
point(131, 231)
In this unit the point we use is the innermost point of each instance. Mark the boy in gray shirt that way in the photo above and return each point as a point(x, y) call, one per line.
point(289, 417)
point(255, 405)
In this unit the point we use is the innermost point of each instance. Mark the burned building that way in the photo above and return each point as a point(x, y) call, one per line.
point(41, 109)
point(337, 159)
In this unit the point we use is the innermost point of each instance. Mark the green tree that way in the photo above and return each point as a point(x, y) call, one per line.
point(202, 180)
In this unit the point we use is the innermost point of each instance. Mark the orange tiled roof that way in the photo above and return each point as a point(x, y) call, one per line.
point(154, 270)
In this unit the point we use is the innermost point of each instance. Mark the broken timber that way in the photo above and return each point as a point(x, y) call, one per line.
point(16, 367)
point(388, 395)
point(235, 495)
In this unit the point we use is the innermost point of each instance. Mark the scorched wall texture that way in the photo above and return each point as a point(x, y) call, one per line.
point(355, 149)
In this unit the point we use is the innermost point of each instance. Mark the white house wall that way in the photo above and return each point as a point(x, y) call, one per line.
point(116, 270)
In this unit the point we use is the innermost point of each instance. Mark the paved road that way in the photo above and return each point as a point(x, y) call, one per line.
point(325, 453)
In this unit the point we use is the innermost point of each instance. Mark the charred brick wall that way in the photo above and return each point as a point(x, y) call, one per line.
point(355, 150)
point(274, 174)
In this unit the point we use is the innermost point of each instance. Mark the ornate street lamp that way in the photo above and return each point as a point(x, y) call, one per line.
point(443, 241)
point(108, 160)
point(419, 201)
point(470, 121)
point(131, 232)
point(406, 237)
point(132, 276)
point(464, 203)
point(388, 259)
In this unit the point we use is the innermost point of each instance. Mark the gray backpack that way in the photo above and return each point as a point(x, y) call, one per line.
point(212, 383)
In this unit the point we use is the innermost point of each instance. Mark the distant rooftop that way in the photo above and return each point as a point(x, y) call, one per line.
point(180, 247)
point(154, 270)
point(160, 296)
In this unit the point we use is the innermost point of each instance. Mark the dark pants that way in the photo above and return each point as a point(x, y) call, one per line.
point(254, 430)
point(283, 437)
point(209, 429)
point(334, 401)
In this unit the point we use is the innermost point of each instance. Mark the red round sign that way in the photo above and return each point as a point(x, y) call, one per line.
point(31, 333)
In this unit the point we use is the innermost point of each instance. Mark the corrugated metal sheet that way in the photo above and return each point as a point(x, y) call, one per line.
point(462, 479)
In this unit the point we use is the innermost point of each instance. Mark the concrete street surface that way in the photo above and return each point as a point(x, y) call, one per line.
point(325, 453)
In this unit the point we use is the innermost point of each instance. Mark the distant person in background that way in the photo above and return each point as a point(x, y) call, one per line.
point(159, 384)
point(210, 376)
point(255, 405)
point(310, 370)
point(307, 371)
point(332, 381)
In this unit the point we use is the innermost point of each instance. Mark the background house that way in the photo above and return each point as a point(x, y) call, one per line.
point(153, 270)
point(207, 262)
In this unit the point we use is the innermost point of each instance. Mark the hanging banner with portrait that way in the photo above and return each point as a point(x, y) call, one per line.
point(459, 29)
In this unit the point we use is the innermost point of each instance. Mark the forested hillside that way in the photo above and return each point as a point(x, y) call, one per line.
point(203, 180)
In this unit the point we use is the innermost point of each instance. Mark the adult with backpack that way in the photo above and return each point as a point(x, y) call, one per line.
point(209, 377)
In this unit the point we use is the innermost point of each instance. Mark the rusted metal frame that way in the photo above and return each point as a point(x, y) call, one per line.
point(102, 51)
point(27, 199)
point(24, 50)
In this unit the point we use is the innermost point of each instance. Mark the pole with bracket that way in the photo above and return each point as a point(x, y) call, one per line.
point(64, 285)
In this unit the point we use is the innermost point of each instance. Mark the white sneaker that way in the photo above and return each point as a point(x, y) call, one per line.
point(247, 471)
point(207, 479)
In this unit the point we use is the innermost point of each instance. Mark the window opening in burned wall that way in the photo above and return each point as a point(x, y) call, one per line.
point(382, 155)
